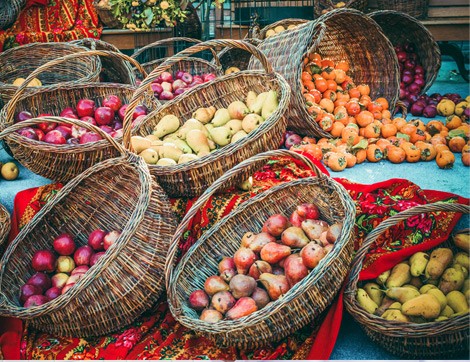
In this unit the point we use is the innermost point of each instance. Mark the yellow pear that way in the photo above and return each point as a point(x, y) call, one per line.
point(186, 157)
point(231, 70)
point(279, 29)
point(166, 162)
point(168, 124)
point(150, 156)
point(140, 143)
point(239, 135)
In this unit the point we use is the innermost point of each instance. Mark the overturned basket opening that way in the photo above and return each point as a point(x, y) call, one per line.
point(116, 194)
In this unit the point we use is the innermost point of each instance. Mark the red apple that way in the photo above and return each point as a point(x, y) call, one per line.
point(82, 255)
point(68, 112)
point(88, 119)
point(55, 137)
point(139, 111)
point(64, 244)
point(28, 290)
point(117, 124)
point(78, 131)
point(23, 116)
point(95, 239)
point(208, 77)
point(177, 84)
point(104, 115)
point(107, 129)
point(39, 133)
point(166, 96)
point(112, 101)
point(95, 257)
point(180, 91)
point(85, 107)
point(36, 300)
point(118, 133)
point(28, 132)
point(179, 74)
point(166, 77)
point(59, 280)
point(40, 280)
point(110, 238)
point(82, 269)
point(53, 293)
point(47, 126)
point(167, 86)
point(44, 261)
point(65, 264)
point(89, 137)
point(156, 88)
point(187, 78)
point(122, 112)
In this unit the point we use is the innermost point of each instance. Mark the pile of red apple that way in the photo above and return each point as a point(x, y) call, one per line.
point(58, 270)
point(109, 117)
point(267, 265)
point(167, 86)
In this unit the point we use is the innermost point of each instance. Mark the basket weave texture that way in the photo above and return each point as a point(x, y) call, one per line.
point(113, 70)
point(235, 57)
point(9, 11)
point(194, 177)
point(320, 7)
point(106, 15)
point(192, 65)
point(62, 162)
point(21, 61)
point(300, 305)
point(402, 28)
point(5, 224)
point(116, 194)
point(343, 34)
point(284, 22)
point(417, 8)
point(431, 340)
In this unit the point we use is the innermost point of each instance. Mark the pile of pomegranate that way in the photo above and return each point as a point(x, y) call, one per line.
point(59, 269)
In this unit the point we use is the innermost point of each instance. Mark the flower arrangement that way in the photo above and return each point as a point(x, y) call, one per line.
point(141, 15)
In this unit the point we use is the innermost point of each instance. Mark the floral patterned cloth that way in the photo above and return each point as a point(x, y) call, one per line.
point(59, 21)
point(156, 335)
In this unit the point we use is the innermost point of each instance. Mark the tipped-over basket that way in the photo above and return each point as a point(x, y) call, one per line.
point(285, 23)
point(116, 194)
point(21, 61)
point(401, 28)
point(235, 57)
point(433, 340)
point(415, 8)
point(343, 34)
point(5, 224)
point(9, 11)
point(194, 177)
point(63, 162)
point(113, 70)
point(321, 7)
point(301, 304)
point(192, 65)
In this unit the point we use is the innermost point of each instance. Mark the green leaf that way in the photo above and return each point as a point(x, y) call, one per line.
point(403, 135)
point(457, 133)
point(362, 144)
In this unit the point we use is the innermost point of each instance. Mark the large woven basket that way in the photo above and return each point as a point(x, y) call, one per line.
point(343, 34)
point(321, 7)
point(63, 162)
point(416, 8)
point(21, 61)
point(300, 305)
point(235, 57)
point(192, 65)
point(113, 70)
point(284, 22)
point(5, 224)
point(116, 194)
point(433, 340)
point(401, 28)
point(9, 11)
point(106, 16)
point(194, 177)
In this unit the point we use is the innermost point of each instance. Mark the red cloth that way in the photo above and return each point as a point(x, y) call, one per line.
point(30, 3)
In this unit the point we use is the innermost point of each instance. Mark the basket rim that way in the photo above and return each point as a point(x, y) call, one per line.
point(267, 125)
point(295, 292)
point(139, 167)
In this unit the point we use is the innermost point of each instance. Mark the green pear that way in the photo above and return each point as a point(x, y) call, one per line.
point(270, 104)
point(257, 106)
point(209, 126)
point(140, 143)
point(170, 136)
point(221, 117)
point(246, 185)
point(166, 162)
point(237, 110)
point(250, 99)
point(168, 124)
point(234, 125)
point(197, 140)
point(211, 144)
point(221, 135)
point(251, 122)
point(182, 145)
point(186, 157)
point(402, 294)
point(170, 150)
point(239, 135)
point(150, 156)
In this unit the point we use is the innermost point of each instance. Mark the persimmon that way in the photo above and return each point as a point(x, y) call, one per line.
point(305, 61)
point(310, 98)
point(316, 94)
point(374, 153)
point(327, 63)
point(331, 85)
point(419, 135)
point(456, 144)
point(327, 105)
point(413, 154)
point(438, 139)
point(336, 129)
point(306, 76)
point(396, 141)
point(383, 102)
point(327, 147)
point(365, 101)
point(309, 85)
point(340, 76)
point(466, 155)
point(399, 122)
point(408, 129)
point(328, 73)
point(445, 159)
point(326, 123)
point(310, 148)
point(364, 118)
point(353, 108)
point(350, 135)
point(314, 56)
point(361, 155)
point(341, 116)
point(396, 154)
point(315, 111)
point(348, 84)
point(441, 147)
point(364, 89)
point(351, 160)
point(321, 84)
point(343, 65)
point(316, 76)
point(434, 127)
point(388, 130)
point(340, 102)
point(453, 122)
point(354, 93)
point(419, 124)
point(371, 131)
point(331, 95)
point(386, 114)
point(337, 162)
point(383, 144)
point(428, 152)
point(308, 139)
point(374, 106)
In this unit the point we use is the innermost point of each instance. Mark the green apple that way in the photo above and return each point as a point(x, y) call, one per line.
point(10, 171)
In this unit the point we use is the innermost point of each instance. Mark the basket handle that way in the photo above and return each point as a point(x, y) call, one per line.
point(391, 221)
point(223, 180)
point(177, 58)
point(49, 119)
point(174, 40)
point(11, 105)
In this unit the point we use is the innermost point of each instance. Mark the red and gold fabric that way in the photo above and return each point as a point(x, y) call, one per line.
point(156, 335)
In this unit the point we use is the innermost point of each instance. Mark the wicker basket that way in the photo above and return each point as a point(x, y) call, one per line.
point(113, 70)
point(9, 11)
point(21, 61)
point(320, 7)
point(62, 162)
point(235, 57)
point(342, 34)
point(192, 65)
point(306, 300)
point(106, 15)
point(417, 9)
point(401, 28)
point(116, 194)
point(284, 22)
point(194, 177)
point(432, 340)
point(5, 224)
